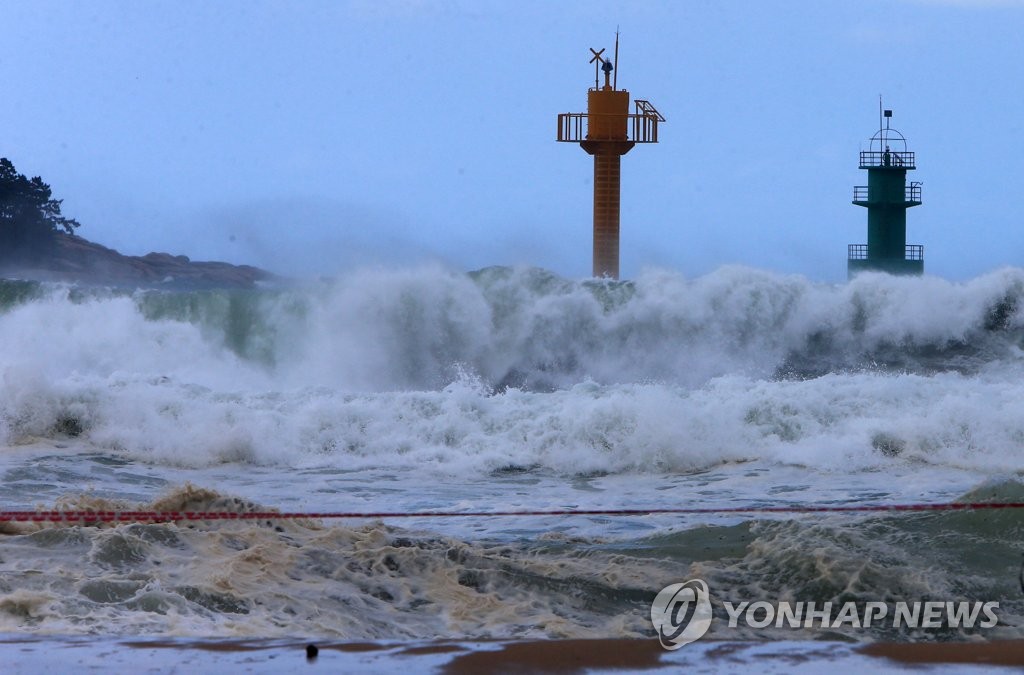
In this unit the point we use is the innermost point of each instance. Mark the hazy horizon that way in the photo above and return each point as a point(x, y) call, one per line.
point(312, 137)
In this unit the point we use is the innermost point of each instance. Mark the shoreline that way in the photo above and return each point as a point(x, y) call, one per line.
point(30, 653)
point(74, 259)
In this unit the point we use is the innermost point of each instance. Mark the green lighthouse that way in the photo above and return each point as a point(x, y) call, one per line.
point(887, 198)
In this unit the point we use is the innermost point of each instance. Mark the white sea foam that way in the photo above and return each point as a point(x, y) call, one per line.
point(516, 367)
point(506, 389)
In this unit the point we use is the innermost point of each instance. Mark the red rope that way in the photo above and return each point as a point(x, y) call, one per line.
point(169, 516)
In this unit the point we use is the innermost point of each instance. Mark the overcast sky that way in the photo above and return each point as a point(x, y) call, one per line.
point(308, 137)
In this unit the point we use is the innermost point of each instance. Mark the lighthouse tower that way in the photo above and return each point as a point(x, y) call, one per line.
point(887, 196)
point(607, 131)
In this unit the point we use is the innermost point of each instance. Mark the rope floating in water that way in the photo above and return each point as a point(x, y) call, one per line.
point(176, 516)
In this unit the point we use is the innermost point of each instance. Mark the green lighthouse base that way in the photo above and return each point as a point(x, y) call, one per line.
point(888, 265)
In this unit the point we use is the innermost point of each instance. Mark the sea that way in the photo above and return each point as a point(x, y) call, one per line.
point(425, 390)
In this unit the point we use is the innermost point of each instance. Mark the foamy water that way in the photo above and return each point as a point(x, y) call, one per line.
point(427, 389)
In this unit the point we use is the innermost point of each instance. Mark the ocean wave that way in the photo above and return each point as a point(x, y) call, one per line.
point(518, 368)
point(422, 328)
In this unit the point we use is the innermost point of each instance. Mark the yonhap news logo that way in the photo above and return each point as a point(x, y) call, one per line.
point(682, 613)
point(924, 614)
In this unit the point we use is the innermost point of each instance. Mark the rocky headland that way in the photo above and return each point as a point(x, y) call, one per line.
point(77, 260)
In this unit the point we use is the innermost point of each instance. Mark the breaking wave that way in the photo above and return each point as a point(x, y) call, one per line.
point(516, 367)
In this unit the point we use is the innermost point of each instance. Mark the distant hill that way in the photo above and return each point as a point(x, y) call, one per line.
point(38, 242)
point(78, 260)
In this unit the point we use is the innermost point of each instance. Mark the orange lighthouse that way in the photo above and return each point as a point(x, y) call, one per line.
point(608, 131)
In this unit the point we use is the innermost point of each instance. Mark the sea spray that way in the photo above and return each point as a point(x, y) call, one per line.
point(517, 367)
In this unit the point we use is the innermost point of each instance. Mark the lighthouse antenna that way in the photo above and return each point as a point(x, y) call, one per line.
point(615, 81)
point(881, 136)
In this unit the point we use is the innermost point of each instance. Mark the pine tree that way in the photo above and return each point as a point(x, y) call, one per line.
point(29, 216)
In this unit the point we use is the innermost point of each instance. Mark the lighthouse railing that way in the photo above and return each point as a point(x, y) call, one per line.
point(911, 194)
point(860, 252)
point(890, 159)
point(572, 127)
point(857, 252)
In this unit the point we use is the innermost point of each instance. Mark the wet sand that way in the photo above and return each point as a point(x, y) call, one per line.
point(1001, 653)
point(22, 654)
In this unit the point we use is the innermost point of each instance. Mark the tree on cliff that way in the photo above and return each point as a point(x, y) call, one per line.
point(29, 216)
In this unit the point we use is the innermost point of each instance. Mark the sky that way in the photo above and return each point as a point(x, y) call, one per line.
point(311, 137)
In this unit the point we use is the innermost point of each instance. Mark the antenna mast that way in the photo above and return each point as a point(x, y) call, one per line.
point(881, 139)
point(615, 75)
